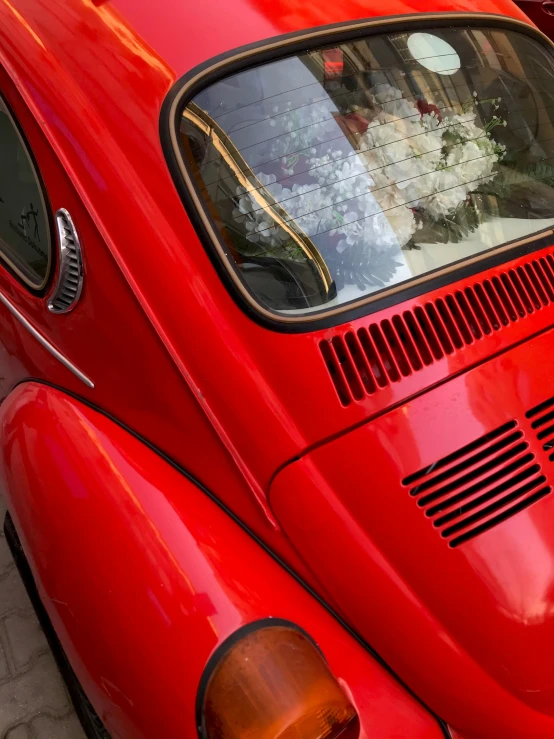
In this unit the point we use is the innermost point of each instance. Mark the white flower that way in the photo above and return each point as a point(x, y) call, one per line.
point(442, 203)
point(403, 223)
point(389, 197)
point(384, 93)
point(266, 179)
point(430, 121)
point(251, 231)
point(365, 197)
point(246, 204)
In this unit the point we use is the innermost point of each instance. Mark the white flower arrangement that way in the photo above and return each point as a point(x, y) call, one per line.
point(405, 162)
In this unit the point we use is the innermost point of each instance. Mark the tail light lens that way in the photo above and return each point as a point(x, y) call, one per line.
point(273, 683)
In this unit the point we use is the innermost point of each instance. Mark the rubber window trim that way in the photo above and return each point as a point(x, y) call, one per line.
point(215, 69)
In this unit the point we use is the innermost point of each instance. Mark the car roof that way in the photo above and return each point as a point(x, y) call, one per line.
point(111, 63)
point(185, 34)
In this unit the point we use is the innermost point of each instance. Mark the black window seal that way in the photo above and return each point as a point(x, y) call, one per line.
point(10, 265)
point(279, 47)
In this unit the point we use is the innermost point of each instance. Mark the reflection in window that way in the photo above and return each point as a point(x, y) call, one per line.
point(343, 171)
point(24, 229)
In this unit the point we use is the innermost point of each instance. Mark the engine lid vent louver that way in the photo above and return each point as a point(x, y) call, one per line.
point(362, 362)
point(480, 485)
point(542, 422)
point(70, 271)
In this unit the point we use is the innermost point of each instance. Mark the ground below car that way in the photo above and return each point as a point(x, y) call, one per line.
point(33, 700)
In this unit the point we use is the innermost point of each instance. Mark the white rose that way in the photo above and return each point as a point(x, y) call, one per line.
point(383, 93)
point(389, 197)
point(446, 201)
point(403, 224)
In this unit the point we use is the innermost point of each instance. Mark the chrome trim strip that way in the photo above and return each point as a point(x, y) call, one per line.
point(45, 343)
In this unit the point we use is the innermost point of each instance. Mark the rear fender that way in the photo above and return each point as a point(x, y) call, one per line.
point(144, 575)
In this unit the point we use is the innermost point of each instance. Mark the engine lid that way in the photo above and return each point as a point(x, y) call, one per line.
point(432, 530)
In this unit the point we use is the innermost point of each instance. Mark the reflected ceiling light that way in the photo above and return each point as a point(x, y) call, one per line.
point(434, 53)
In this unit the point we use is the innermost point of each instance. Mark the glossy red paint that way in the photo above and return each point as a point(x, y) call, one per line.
point(541, 12)
point(480, 615)
point(135, 376)
point(117, 166)
point(101, 513)
point(104, 520)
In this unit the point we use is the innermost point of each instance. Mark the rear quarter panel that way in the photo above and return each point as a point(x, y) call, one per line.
point(143, 575)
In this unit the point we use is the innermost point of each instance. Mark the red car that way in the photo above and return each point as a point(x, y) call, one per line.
point(541, 12)
point(277, 363)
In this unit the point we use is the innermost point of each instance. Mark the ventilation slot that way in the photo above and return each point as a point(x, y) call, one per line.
point(385, 352)
point(542, 423)
point(70, 272)
point(479, 486)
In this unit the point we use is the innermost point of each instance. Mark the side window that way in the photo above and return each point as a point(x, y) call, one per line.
point(24, 227)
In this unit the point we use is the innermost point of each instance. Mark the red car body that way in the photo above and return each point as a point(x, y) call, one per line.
point(541, 12)
point(184, 482)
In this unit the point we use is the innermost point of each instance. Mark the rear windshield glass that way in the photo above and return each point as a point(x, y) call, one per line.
point(348, 170)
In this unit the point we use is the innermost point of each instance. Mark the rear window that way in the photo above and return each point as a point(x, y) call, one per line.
point(338, 174)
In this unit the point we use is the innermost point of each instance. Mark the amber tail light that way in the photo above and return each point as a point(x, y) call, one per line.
point(269, 681)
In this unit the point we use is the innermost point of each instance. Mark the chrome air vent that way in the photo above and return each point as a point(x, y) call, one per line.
point(363, 362)
point(70, 271)
point(480, 485)
point(542, 423)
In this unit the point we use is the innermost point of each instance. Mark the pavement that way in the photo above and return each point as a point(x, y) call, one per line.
point(34, 703)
